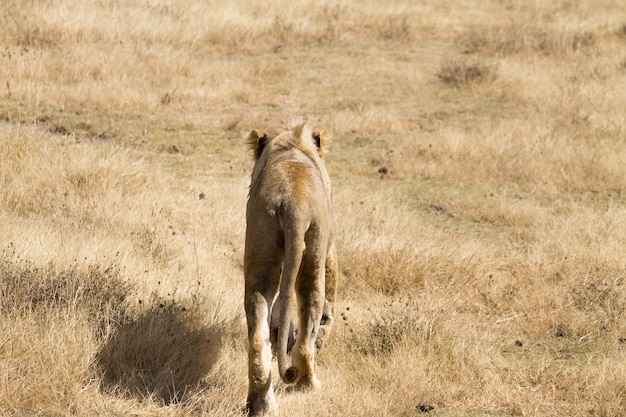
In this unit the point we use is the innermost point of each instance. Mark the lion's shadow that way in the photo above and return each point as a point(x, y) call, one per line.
point(163, 354)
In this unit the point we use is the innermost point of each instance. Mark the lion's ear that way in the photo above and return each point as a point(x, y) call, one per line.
point(257, 141)
point(321, 140)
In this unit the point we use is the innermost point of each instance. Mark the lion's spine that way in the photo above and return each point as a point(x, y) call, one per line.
point(294, 249)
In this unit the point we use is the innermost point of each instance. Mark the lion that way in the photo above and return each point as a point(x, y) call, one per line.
point(290, 263)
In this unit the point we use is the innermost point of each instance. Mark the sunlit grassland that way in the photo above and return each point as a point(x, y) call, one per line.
point(478, 174)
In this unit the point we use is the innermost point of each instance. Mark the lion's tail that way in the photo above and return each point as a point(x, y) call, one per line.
point(294, 249)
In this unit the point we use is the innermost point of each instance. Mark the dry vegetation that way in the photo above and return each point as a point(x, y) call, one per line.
point(479, 176)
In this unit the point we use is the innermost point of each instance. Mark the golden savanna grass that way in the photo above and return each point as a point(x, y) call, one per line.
point(478, 171)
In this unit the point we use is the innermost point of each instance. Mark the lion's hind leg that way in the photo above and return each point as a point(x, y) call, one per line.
point(260, 292)
point(330, 283)
point(310, 292)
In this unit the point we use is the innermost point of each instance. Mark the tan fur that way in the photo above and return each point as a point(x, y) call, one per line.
point(290, 265)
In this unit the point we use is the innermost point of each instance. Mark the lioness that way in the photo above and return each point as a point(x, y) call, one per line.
point(289, 252)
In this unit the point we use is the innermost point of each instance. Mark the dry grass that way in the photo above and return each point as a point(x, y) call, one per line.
point(478, 171)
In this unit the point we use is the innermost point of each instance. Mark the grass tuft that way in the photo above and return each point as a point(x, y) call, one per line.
point(460, 73)
point(516, 39)
point(95, 291)
point(399, 323)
